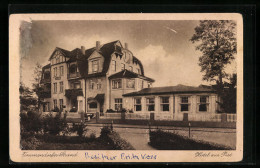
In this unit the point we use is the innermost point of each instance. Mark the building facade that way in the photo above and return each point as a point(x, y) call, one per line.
point(110, 77)
point(91, 80)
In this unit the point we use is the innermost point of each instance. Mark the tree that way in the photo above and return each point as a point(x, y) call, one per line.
point(26, 98)
point(217, 42)
point(37, 82)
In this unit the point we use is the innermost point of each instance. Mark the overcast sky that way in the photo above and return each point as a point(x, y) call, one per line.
point(164, 47)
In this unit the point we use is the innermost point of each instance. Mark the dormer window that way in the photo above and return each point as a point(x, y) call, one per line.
point(122, 66)
point(95, 66)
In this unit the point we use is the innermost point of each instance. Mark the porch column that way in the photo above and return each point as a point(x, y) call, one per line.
point(143, 103)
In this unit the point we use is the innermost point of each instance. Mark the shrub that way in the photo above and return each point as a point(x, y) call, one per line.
point(30, 122)
point(56, 109)
point(131, 111)
point(172, 141)
point(79, 129)
point(113, 138)
point(110, 111)
point(54, 125)
point(29, 142)
point(123, 110)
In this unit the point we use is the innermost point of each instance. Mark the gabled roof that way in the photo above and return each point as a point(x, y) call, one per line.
point(170, 90)
point(105, 50)
point(129, 74)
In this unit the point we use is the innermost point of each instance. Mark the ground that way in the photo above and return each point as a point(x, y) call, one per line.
point(138, 136)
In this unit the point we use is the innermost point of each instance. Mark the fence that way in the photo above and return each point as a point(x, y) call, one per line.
point(171, 117)
point(205, 117)
point(231, 117)
point(137, 116)
point(111, 116)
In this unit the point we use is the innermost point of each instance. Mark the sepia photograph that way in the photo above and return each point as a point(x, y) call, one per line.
point(126, 87)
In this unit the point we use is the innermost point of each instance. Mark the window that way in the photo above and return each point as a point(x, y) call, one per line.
point(116, 84)
point(130, 68)
point(61, 104)
point(130, 83)
point(55, 87)
point(98, 86)
point(76, 85)
point(57, 59)
point(61, 87)
point(203, 103)
point(122, 66)
point(165, 104)
point(73, 69)
point(91, 85)
point(46, 107)
point(95, 66)
point(138, 71)
point(138, 104)
point(150, 104)
point(46, 75)
point(55, 72)
point(61, 71)
point(118, 104)
point(93, 105)
point(185, 103)
point(149, 85)
point(113, 65)
point(55, 103)
point(141, 84)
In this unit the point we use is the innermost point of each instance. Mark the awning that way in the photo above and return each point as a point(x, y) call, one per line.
point(100, 97)
point(71, 93)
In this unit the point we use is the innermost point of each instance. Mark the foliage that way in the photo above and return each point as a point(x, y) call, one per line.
point(218, 46)
point(228, 103)
point(56, 109)
point(30, 143)
point(172, 141)
point(111, 111)
point(80, 129)
point(54, 125)
point(123, 110)
point(113, 139)
point(30, 122)
point(27, 101)
point(37, 82)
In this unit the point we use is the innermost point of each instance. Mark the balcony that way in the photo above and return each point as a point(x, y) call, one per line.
point(46, 80)
point(45, 94)
point(70, 93)
point(73, 75)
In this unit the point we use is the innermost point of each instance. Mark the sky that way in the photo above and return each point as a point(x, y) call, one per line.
point(164, 47)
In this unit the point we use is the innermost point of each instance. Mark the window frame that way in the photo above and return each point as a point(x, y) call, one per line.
point(95, 65)
point(61, 70)
point(206, 103)
point(164, 103)
point(61, 87)
point(55, 103)
point(148, 104)
point(113, 63)
point(137, 104)
point(61, 104)
point(118, 103)
point(117, 84)
point(55, 87)
point(184, 103)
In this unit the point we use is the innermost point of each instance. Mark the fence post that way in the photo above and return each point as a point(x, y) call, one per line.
point(151, 117)
point(122, 116)
point(185, 117)
point(224, 117)
point(97, 117)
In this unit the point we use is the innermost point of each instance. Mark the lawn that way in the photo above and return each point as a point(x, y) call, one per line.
point(51, 142)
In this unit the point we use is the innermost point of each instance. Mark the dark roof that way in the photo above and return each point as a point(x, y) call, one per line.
point(106, 51)
point(129, 74)
point(48, 66)
point(171, 90)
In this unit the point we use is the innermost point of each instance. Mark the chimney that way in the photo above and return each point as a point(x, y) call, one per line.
point(97, 45)
point(83, 50)
point(126, 46)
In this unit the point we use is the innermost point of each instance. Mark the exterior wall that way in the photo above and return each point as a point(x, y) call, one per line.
point(95, 56)
point(174, 103)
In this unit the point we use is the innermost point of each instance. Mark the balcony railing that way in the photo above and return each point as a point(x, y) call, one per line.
point(73, 92)
point(73, 75)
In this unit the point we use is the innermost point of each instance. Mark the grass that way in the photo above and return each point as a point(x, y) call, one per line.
point(51, 142)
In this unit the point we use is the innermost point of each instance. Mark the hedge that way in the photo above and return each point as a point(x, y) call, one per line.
point(171, 141)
